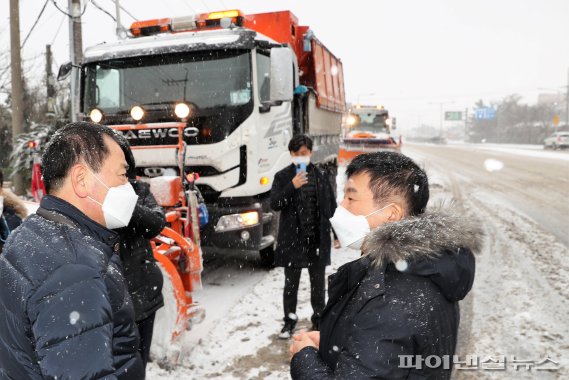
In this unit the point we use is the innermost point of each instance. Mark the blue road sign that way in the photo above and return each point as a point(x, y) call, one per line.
point(485, 113)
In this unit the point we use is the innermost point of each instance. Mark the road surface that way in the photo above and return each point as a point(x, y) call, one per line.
point(519, 305)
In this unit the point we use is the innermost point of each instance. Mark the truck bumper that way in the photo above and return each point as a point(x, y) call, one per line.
point(247, 239)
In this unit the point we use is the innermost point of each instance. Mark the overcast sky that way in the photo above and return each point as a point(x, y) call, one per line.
point(411, 54)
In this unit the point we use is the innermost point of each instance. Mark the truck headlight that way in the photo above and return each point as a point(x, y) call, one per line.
point(182, 110)
point(96, 115)
point(137, 113)
point(237, 221)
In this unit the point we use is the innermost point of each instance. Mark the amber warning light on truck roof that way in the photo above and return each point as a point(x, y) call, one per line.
point(234, 13)
point(186, 23)
point(149, 27)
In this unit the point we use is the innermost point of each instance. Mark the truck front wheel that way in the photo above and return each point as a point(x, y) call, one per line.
point(268, 256)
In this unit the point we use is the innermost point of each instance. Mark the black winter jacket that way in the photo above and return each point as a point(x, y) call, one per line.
point(66, 311)
point(143, 276)
point(376, 312)
point(290, 251)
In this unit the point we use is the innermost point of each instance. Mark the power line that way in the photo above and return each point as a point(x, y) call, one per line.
point(103, 10)
point(67, 14)
point(58, 29)
point(205, 5)
point(126, 11)
point(34, 25)
point(8, 79)
point(189, 6)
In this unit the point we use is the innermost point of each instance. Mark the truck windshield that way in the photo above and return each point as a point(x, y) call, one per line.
point(371, 122)
point(215, 83)
point(208, 80)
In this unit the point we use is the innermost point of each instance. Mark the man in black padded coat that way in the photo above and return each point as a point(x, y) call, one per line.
point(303, 195)
point(143, 276)
point(399, 301)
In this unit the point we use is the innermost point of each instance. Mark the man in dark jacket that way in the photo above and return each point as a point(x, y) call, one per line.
point(143, 276)
point(66, 311)
point(398, 303)
point(303, 195)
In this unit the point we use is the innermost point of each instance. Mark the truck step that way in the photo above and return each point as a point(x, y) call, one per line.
point(267, 217)
point(266, 241)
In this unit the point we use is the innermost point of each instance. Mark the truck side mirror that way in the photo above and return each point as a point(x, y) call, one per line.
point(281, 75)
point(306, 42)
point(64, 71)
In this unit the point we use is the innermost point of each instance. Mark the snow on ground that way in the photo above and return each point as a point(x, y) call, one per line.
point(239, 338)
point(536, 151)
point(519, 304)
point(520, 297)
point(244, 343)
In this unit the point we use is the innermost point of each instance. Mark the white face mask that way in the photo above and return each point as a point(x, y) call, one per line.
point(297, 160)
point(351, 229)
point(118, 205)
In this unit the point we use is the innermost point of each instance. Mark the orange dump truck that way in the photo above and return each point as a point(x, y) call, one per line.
point(238, 87)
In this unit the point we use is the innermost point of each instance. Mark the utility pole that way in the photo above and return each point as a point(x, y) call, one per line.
point(76, 53)
point(50, 109)
point(441, 104)
point(17, 87)
point(567, 102)
point(465, 124)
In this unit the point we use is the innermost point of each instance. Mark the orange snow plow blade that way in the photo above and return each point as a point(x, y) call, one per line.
point(360, 144)
point(181, 260)
point(179, 257)
point(346, 156)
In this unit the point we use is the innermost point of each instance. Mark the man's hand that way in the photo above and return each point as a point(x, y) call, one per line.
point(314, 336)
point(304, 339)
point(299, 180)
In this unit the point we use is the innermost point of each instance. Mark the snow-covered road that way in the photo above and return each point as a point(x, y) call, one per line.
point(519, 305)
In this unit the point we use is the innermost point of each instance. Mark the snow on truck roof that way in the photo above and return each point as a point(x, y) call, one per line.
point(175, 42)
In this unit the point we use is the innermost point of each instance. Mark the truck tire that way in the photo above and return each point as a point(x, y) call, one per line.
point(268, 254)
point(268, 257)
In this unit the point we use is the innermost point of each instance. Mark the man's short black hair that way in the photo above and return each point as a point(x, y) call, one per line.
point(1, 179)
point(74, 143)
point(393, 174)
point(129, 157)
point(298, 141)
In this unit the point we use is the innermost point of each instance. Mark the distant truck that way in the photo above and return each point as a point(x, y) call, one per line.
point(368, 129)
point(239, 86)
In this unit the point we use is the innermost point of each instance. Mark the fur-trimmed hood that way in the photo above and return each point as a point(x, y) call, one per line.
point(13, 202)
point(437, 245)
